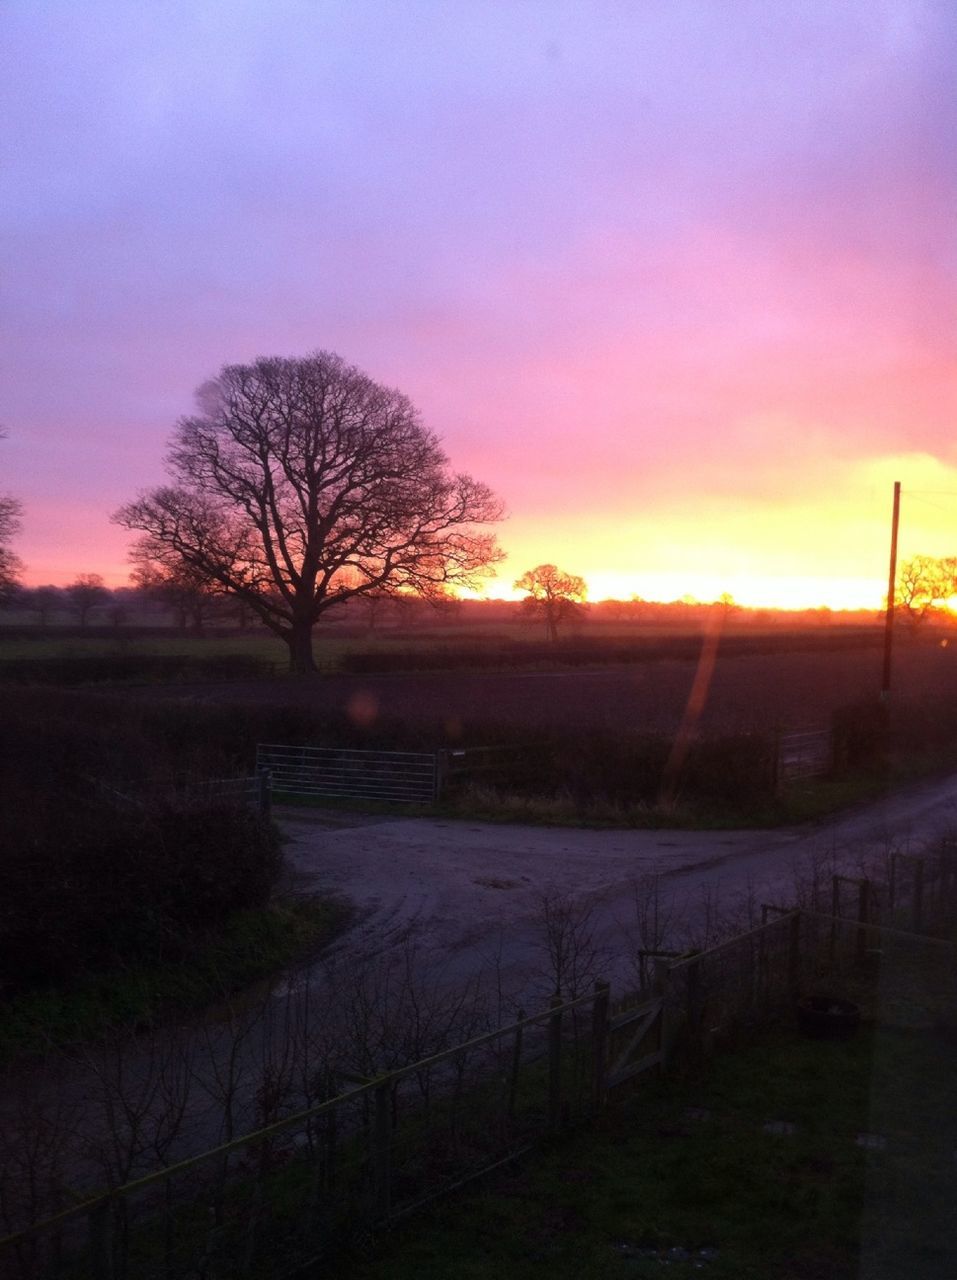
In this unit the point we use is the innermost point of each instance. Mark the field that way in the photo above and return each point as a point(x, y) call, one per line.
point(589, 722)
point(753, 692)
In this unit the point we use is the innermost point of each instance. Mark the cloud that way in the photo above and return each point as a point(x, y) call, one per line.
point(691, 259)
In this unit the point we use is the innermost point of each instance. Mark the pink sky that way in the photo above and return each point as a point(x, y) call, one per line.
point(676, 279)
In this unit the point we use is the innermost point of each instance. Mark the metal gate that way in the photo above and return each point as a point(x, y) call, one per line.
point(397, 777)
point(804, 754)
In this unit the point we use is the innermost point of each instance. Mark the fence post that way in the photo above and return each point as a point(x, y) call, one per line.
point(863, 917)
point(776, 779)
point(555, 1065)
point(599, 1043)
point(947, 871)
point(665, 1020)
point(265, 792)
point(693, 1004)
point(382, 1139)
point(794, 954)
point(331, 1134)
point(101, 1240)
point(516, 1066)
point(441, 773)
point(918, 905)
point(892, 886)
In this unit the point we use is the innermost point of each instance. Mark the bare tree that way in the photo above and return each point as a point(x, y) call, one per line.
point(301, 484)
point(44, 601)
point(85, 593)
point(567, 938)
point(922, 583)
point(552, 594)
point(11, 566)
point(164, 576)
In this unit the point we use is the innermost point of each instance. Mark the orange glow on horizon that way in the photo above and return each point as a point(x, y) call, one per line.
point(755, 593)
point(823, 546)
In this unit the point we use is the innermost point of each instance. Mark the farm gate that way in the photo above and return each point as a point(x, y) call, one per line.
point(397, 777)
point(803, 754)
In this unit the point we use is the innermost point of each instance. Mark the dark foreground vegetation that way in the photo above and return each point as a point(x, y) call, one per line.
point(112, 871)
point(688, 1181)
point(740, 1147)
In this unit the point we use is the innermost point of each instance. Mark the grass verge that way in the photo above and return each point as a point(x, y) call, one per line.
point(251, 946)
point(802, 802)
point(687, 1176)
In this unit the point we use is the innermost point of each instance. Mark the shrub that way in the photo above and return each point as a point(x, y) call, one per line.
point(83, 885)
point(860, 735)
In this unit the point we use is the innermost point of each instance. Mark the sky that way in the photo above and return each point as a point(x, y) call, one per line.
point(677, 279)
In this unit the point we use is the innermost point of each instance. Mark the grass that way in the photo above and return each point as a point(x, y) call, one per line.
point(800, 802)
point(718, 1195)
point(252, 946)
point(481, 803)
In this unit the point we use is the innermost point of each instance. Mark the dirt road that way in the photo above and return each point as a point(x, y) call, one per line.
point(470, 892)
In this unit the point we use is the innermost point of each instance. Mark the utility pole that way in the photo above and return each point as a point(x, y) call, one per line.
point(891, 585)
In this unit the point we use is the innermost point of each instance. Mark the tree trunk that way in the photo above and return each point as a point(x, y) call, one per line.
point(299, 639)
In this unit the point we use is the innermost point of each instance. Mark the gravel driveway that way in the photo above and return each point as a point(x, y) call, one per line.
point(468, 891)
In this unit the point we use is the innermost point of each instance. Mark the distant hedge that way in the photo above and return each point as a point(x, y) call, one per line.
point(581, 652)
point(130, 668)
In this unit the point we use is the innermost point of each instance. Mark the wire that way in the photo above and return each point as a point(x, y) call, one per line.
point(936, 505)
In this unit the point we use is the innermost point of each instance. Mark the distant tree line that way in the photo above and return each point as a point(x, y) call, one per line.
point(88, 602)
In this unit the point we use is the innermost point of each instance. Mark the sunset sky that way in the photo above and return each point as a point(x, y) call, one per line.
point(678, 280)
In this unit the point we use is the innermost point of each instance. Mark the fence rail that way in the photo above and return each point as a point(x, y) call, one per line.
point(252, 790)
point(804, 754)
point(399, 777)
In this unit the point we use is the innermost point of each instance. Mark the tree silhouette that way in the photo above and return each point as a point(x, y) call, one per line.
point(163, 575)
point(44, 601)
point(552, 594)
point(923, 583)
point(11, 566)
point(301, 484)
point(85, 592)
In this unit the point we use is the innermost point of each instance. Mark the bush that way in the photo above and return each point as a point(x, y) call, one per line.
point(85, 886)
point(860, 735)
point(99, 863)
point(601, 768)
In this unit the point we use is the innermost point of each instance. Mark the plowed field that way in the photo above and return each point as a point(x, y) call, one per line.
point(759, 691)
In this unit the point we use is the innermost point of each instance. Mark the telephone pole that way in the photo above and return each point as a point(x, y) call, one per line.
point(891, 585)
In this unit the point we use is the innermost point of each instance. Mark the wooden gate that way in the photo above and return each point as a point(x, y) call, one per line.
point(634, 1041)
